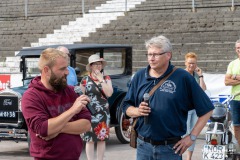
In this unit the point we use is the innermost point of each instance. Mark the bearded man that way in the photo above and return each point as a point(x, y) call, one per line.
point(54, 113)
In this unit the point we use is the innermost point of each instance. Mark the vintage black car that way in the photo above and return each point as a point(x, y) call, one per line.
point(119, 67)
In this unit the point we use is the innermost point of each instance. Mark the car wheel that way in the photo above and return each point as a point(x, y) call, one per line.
point(123, 129)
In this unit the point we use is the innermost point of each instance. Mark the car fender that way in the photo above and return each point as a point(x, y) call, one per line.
point(115, 108)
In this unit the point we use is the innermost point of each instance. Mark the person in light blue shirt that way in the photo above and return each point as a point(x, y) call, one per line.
point(72, 76)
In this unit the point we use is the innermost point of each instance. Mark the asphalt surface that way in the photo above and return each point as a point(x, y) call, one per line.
point(10, 150)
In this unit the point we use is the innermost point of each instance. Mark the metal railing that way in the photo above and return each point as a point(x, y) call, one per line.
point(26, 8)
point(194, 9)
point(193, 6)
point(233, 7)
point(83, 11)
point(83, 7)
point(126, 4)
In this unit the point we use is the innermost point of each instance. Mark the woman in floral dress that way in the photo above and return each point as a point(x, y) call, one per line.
point(98, 87)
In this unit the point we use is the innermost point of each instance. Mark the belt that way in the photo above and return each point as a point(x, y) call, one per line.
point(166, 142)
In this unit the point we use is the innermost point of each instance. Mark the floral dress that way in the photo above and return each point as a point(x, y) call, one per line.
point(101, 120)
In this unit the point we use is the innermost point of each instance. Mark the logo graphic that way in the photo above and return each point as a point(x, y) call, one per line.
point(168, 86)
point(7, 102)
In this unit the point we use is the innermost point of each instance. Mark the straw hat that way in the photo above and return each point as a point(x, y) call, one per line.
point(95, 58)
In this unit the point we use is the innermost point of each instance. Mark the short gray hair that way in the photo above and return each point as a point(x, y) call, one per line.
point(159, 42)
point(63, 49)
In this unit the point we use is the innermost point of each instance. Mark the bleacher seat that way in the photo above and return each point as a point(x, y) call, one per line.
point(210, 31)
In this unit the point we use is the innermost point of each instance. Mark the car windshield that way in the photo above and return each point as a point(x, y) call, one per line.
point(32, 67)
point(115, 60)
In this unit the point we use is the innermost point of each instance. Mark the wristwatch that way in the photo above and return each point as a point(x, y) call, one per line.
point(234, 76)
point(193, 137)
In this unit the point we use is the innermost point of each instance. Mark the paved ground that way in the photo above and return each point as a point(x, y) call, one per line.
point(124, 152)
point(10, 150)
point(115, 151)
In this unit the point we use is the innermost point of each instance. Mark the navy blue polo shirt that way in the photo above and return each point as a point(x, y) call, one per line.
point(169, 104)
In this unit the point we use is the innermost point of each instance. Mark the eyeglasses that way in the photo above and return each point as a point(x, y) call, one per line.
point(190, 63)
point(155, 55)
point(97, 64)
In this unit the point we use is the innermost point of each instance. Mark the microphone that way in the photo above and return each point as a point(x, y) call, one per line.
point(146, 99)
point(77, 89)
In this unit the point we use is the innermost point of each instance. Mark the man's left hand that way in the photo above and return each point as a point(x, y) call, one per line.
point(181, 146)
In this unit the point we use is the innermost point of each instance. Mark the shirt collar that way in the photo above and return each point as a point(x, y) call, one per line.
point(169, 69)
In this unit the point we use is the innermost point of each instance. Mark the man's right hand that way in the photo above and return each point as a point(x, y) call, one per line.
point(143, 109)
point(80, 103)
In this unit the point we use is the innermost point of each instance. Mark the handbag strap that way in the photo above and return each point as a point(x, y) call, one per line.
point(104, 95)
point(154, 89)
point(161, 82)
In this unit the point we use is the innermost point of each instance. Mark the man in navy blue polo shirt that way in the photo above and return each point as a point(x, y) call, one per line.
point(168, 108)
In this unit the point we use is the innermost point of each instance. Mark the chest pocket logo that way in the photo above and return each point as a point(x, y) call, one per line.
point(168, 86)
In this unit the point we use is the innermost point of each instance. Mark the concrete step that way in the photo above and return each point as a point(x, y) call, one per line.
point(91, 21)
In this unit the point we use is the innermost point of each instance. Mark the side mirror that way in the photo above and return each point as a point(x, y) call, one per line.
point(77, 70)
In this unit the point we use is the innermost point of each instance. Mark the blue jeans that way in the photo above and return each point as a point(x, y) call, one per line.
point(191, 121)
point(147, 151)
point(235, 111)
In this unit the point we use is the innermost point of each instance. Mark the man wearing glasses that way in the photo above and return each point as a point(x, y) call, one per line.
point(162, 138)
point(71, 77)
